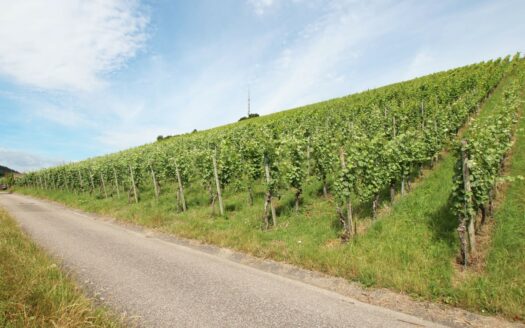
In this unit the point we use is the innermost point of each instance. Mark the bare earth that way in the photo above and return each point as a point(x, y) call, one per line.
point(161, 281)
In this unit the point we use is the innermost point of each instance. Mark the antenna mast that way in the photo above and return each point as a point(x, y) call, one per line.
point(248, 101)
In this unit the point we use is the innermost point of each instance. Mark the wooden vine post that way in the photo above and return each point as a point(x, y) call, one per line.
point(268, 204)
point(115, 177)
point(155, 184)
point(92, 182)
point(392, 190)
point(133, 186)
point(181, 187)
point(375, 206)
point(466, 221)
point(103, 185)
point(350, 227)
point(217, 182)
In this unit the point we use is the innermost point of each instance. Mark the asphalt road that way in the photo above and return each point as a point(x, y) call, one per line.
point(167, 284)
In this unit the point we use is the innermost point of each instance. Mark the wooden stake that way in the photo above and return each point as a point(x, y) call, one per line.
point(466, 226)
point(115, 176)
point(349, 224)
point(325, 188)
point(217, 183)
point(133, 185)
point(267, 204)
point(103, 185)
point(269, 196)
point(181, 188)
point(155, 185)
point(375, 205)
point(298, 199)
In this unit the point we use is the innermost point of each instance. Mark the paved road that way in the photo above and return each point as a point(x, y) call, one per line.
point(170, 285)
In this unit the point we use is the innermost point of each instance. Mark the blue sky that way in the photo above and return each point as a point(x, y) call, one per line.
point(84, 78)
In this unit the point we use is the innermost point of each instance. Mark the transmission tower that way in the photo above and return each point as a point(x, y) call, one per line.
point(248, 101)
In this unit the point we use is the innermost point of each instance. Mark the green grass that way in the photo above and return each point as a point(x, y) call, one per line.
point(412, 248)
point(501, 287)
point(34, 292)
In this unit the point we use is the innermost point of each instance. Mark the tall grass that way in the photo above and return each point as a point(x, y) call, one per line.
point(34, 292)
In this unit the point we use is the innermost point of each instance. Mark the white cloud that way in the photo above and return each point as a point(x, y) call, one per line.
point(308, 69)
point(68, 44)
point(65, 117)
point(134, 136)
point(261, 6)
point(422, 63)
point(24, 162)
point(352, 46)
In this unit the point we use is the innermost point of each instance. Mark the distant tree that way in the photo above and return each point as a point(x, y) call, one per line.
point(249, 116)
point(5, 170)
point(160, 138)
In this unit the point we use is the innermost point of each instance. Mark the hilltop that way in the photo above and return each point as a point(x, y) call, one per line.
point(5, 170)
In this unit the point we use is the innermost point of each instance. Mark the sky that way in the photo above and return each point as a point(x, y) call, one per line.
point(84, 78)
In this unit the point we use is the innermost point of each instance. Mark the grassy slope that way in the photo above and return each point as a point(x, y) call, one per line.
point(412, 247)
point(33, 290)
point(501, 287)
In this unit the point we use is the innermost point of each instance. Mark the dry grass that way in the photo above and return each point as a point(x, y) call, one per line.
point(34, 292)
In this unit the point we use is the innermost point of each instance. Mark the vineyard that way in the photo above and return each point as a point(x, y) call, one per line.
point(356, 146)
point(345, 160)
point(481, 157)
